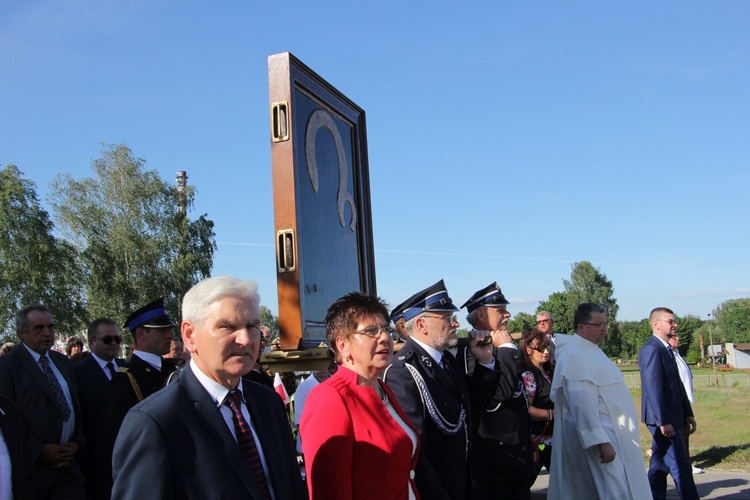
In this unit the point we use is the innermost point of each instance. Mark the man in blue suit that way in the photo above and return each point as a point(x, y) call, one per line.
point(93, 375)
point(209, 434)
point(665, 409)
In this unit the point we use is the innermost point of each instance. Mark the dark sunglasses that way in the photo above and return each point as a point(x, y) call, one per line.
point(109, 338)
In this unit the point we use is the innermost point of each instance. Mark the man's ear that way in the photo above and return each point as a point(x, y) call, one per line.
point(188, 335)
point(138, 335)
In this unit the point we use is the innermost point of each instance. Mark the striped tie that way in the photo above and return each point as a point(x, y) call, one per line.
point(247, 442)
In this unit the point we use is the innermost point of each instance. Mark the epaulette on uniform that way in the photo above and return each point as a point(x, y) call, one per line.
point(402, 357)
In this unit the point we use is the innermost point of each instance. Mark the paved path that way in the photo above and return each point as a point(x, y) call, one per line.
point(713, 483)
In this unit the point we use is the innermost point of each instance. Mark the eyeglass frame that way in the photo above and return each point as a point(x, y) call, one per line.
point(671, 321)
point(451, 319)
point(388, 329)
point(595, 325)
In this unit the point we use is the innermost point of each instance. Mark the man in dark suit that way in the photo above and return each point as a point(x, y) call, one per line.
point(397, 316)
point(209, 434)
point(430, 388)
point(93, 375)
point(41, 382)
point(146, 371)
point(15, 443)
point(665, 409)
point(500, 448)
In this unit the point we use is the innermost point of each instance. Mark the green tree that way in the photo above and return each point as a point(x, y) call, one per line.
point(687, 330)
point(587, 284)
point(272, 322)
point(132, 230)
point(732, 321)
point(562, 309)
point(34, 265)
point(634, 334)
point(521, 321)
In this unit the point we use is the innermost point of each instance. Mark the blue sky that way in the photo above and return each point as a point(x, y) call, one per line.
point(507, 140)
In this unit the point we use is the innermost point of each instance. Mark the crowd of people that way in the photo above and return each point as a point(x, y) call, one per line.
point(407, 411)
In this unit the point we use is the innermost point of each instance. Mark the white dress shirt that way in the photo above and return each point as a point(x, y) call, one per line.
point(68, 426)
point(219, 393)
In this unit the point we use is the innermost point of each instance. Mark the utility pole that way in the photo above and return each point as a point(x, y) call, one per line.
point(712, 352)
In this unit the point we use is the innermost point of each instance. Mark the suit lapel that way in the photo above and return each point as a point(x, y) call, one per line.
point(32, 368)
point(96, 371)
point(210, 418)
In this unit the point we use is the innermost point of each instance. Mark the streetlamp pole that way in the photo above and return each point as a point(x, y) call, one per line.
point(713, 351)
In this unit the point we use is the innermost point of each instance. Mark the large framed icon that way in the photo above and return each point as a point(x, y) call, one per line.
point(322, 211)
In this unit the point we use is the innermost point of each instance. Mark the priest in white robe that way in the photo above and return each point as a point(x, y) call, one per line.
point(597, 453)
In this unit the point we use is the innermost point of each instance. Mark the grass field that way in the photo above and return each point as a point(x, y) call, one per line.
point(723, 436)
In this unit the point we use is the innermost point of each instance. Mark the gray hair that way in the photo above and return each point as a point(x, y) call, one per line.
point(198, 299)
point(545, 312)
point(472, 317)
point(409, 325)
point(22, 316)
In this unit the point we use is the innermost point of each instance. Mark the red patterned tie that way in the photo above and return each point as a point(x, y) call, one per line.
point(247, 442)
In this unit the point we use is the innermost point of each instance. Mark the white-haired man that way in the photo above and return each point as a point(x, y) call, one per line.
point(210, 434)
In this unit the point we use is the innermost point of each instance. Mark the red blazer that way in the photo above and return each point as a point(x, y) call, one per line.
point(353, 448)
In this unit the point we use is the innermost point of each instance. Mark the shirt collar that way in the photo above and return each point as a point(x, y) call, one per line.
point(665, 344)
point(150, 358)
point(217, 391)
point(102, 362)
point(434, 353)
point(35, 354)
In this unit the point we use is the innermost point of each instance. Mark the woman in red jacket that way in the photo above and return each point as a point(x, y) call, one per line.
point(357, 441)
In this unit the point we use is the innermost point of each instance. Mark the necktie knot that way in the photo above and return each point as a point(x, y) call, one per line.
point(234, 400)
point(111, 368)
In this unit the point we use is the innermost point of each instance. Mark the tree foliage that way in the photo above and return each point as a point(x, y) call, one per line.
point(587, 284)
point(272, 322)
point(521, 321)
point(732, 321)
point(35, 267)
point(135, 242)
point(562, 308)
point(633, 334)
point(688, 330)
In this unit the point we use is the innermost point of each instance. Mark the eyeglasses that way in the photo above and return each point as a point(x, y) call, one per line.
point(374, 331)
point(543, 321)
point(596, 325)
point(451, 319)
point(541, 349)
point(109, 338)
point(671, 322)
